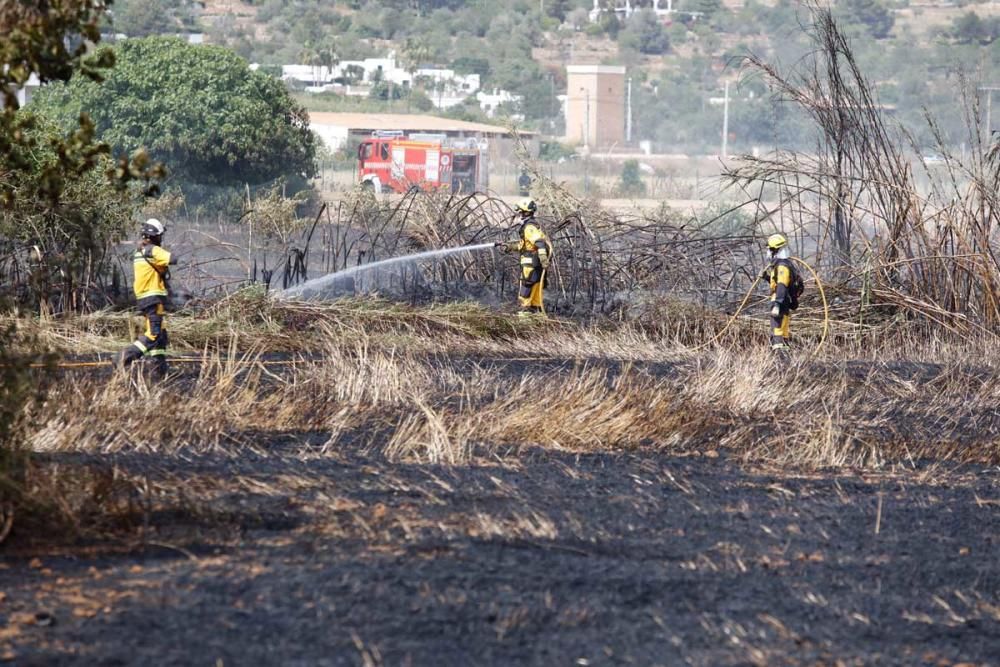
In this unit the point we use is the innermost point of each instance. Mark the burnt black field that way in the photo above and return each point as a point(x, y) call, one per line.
point(532, 557)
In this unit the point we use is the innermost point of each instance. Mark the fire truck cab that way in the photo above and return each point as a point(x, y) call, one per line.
point(391, 161)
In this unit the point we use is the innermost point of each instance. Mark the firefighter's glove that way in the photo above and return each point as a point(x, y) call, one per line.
point(501, 246)
point(765, 275)
point(776, 310)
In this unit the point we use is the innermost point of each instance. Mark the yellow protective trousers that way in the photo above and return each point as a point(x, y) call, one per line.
point(529, 294)
point(152, 342)
point(780, 330)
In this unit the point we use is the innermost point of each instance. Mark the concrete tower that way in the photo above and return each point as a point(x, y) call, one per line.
point(595, 105)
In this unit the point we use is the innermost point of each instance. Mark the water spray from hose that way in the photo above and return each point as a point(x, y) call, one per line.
point(330, 281)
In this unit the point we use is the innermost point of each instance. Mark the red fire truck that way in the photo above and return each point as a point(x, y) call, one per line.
point(390, 161)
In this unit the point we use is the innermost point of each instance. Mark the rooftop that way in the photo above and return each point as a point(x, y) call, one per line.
point(594, 69)
point(406, 123)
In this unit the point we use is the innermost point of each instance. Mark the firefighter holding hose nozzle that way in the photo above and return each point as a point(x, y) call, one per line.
point(535, 255)
point(152, 293)
point(786, 288)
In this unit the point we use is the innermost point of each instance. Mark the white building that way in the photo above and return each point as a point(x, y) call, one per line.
point(490, 102)
point(25, 92)
point(625, 8)
point(445, 87)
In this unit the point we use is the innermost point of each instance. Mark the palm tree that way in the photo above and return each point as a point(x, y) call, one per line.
point(328, 57)
point(309, 56)
point(415, 53)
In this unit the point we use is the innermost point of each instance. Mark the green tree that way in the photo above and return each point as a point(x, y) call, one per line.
point(329, 57)
point(415, 53)
point(631, 183)
point(199, 109)
point(873, 15)
point(558, 9)
point(45, 176)
point(38, 169)
point(969, 28)
point(608, 23)
point(471, 65)
point(707, 8)
point(141, 18)
point(537, 100)
point(308, 55)
point(644, 33)
point(75, 238)
point(318, 57)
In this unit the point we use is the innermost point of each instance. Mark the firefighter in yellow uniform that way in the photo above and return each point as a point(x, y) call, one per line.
point(786, 288)
point(535, 255)
point(152, 274)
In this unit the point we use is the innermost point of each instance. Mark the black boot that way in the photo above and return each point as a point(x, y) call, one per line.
point(127, 356)
point(157, 366)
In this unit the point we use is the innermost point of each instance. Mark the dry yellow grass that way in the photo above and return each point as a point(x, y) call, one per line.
point(460, 385)
point(426, 388)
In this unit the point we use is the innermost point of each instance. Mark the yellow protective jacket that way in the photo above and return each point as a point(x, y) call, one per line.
point(150, 263)
point(782, 274)
point(534, 246)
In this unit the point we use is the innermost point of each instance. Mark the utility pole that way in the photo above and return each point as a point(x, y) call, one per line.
point(552, 104)
point(989, 110)
point(628, 112)
point(586, 142)
point(725, 122)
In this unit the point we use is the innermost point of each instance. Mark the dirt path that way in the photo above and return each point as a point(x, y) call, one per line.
point(530, 558)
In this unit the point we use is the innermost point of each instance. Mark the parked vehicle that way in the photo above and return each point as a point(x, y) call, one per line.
point(393, 162)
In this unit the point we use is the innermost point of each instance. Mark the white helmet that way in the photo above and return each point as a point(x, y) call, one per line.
point(153, 227)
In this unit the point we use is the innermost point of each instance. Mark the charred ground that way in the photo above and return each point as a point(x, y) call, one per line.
point(530, 557)
point(324, 540)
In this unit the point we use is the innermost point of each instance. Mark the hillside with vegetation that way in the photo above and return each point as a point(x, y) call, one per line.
point(922, 59)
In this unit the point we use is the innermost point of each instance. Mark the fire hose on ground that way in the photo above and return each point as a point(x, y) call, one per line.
point(753, 287)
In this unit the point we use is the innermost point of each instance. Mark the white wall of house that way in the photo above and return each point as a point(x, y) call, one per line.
point(449, 88)
point(490, 101)
point(25, 92)
point(333, 136)
point(386, 69)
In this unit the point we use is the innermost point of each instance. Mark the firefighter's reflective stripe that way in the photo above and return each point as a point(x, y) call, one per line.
point(157, 352)
point(142, 348)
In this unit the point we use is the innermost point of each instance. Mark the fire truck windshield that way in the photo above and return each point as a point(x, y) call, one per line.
point(364, 151)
